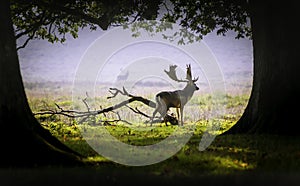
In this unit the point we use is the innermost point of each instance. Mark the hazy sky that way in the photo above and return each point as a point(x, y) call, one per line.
point(42, 61)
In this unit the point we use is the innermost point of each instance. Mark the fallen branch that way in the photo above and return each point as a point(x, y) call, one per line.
point(136, 110)
point(114, 91)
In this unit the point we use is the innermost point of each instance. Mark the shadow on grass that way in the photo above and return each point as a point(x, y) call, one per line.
point(229, 160)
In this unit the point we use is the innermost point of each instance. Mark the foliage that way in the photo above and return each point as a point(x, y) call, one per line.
point(52, 20)
point(202, 17)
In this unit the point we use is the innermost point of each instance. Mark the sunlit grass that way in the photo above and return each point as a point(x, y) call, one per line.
point(228, 154)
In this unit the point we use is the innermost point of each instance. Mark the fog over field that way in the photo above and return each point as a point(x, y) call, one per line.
point(42, 61)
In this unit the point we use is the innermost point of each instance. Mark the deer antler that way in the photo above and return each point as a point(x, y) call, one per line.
point(189, 73)
point(172, 73)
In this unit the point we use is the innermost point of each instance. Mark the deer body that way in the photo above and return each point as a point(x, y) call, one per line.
point(176, 99)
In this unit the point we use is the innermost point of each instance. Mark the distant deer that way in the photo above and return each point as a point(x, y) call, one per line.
point(178, 98)
point(123, 76)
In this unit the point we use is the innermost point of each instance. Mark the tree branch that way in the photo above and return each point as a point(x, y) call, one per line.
point(101, 21)
point(26, 42)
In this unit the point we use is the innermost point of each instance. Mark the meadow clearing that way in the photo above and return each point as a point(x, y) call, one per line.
point(226, 155)
point(242, 159)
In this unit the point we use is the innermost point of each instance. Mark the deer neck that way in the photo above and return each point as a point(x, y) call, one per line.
point(188, 91)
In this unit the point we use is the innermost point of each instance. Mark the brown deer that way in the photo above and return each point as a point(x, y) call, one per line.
point(176, 99)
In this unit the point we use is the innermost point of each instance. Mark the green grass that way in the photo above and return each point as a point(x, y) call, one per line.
point(231, 154)
point(226, 155)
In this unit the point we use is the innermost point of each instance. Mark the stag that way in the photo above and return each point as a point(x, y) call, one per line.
point(178, 98)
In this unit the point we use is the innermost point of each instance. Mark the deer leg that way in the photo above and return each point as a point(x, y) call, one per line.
point(154, 113)
point(157, 109)
point(163, 111)
point(178, 114)
point(161, 108)
point(181, 116)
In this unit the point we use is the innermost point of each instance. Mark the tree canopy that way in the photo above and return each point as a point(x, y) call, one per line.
point(53, 19)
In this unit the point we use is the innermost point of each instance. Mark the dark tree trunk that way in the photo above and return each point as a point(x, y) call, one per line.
point(24, 142)
point(274, 102)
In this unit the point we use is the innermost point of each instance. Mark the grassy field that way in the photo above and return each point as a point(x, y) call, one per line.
point(235, 159)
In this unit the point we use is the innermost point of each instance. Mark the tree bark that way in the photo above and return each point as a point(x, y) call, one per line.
point(24, 142)
point(274, 100)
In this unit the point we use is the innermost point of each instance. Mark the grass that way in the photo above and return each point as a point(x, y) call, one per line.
point(227, 155)
point(232, 157)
